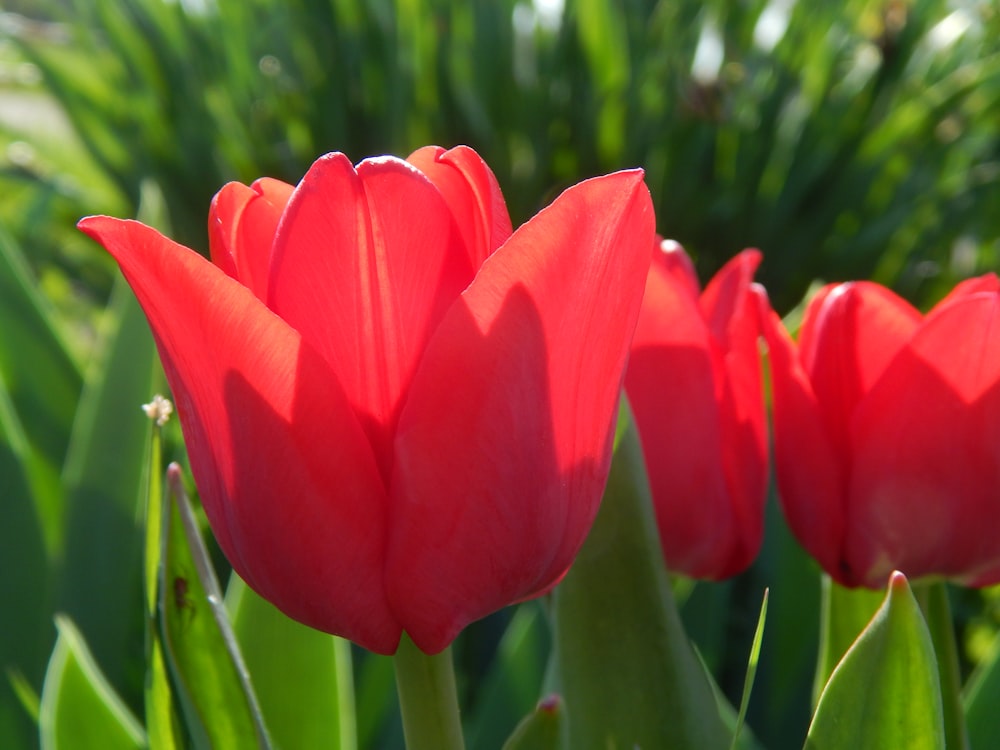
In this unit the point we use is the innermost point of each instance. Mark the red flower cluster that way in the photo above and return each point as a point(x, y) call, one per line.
point(399, 413)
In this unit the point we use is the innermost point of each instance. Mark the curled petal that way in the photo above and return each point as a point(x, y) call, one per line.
point(241, 227)
point(285, 473)
point(472, 193)
point(504, 443)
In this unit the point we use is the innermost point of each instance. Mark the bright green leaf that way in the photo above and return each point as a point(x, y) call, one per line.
point(758, 637)
point(79, 709)
point(201, 650)
point(301, 676)
point(885, 692)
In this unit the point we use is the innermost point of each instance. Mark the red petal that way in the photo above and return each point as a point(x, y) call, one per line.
point(726, 293)
point(285, 473)
point(985, 283)
point(504, 443)
point(472, 193)
point(671, 385)
point(924, 495)
point(732, 305)
point(851, 333)
point(242, 223)
point(811, 474)
point(365, 264)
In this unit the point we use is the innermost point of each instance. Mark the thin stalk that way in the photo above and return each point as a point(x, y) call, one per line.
point(933, 600)
point(428, 699)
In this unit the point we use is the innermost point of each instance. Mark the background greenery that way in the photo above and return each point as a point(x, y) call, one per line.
point(846, 139)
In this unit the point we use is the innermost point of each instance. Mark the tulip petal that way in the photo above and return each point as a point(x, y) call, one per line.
point(671, 385)
point(365, 264)
point(986, 283)
point(242, 223)
point(731, 304)
point(669, 258)
point(284, 470)
point(471, 191)
point(849, 335)
point(927, 465)
point(504, 444)
point(811, 475)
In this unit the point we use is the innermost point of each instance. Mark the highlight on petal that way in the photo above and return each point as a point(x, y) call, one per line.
point(471, 191)
point(849, 335)
point(673, 267)
point(366, 262)
point(242, 223)
point(926, 467)
point(503, 466)
point(271, 438)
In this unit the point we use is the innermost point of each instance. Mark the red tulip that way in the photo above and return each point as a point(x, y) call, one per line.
point(694, 384)
point(399, 415)
point(887, 433)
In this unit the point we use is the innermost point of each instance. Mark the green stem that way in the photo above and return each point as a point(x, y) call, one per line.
point(428, 700)
point(844, 613)
point(933, 599)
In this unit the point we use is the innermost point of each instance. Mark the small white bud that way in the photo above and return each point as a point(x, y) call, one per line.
point(159, 410)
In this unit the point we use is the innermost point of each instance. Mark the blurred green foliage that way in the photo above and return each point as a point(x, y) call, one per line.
point(845, 138)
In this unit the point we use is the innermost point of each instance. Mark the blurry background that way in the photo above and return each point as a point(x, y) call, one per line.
point(846, 139)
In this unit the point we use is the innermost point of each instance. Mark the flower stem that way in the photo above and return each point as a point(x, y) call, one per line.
point(844, 613)
point(933, 599)
point(428, 700)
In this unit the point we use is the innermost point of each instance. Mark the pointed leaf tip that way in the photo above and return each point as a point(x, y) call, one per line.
point(885, 691)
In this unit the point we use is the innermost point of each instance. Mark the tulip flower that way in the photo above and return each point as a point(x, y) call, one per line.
point(399, 414)
point(694, 384)
point(887, 428)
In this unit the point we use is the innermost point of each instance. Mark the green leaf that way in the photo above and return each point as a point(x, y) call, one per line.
point(616, 628)
point(208, 669)
point(510, 688)
point(301, 676)
point(885, 692)
point(79, 709)
point(758, 637)
point(844, 613)
point(41, 385)
point(162, 721)
point(934, 603)
point(542, 729)
point(104, 478)
point(377, 704)
point(981, 698)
